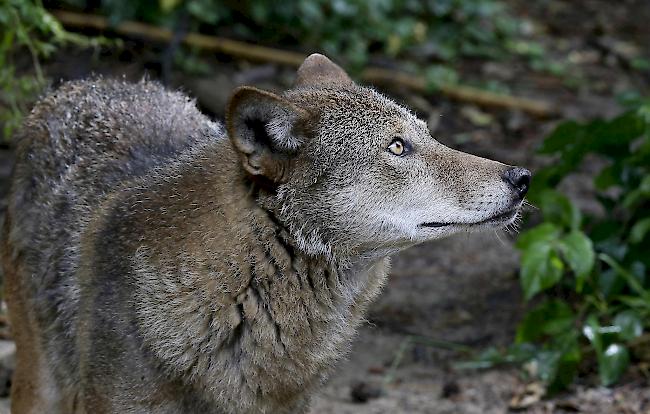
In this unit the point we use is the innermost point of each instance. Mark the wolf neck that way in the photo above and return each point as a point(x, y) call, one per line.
point(240, 297)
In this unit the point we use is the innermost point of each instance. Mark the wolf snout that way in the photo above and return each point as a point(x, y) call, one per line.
point(519, 179)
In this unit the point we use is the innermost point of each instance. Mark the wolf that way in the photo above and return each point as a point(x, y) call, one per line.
point(159, 262)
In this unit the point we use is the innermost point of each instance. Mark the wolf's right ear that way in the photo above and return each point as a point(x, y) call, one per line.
point(266, 130)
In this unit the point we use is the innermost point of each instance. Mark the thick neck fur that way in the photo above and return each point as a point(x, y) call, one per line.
point(229, 301)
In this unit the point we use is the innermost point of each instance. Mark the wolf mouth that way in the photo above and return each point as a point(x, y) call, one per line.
point(499, 218)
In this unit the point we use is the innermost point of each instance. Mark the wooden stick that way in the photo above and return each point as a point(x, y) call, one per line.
point(459, 92)
point(283, 57)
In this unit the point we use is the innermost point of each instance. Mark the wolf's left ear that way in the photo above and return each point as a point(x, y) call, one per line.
point(319, 71)
point(266, 130)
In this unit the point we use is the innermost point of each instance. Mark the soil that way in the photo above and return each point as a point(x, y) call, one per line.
point(461, 291)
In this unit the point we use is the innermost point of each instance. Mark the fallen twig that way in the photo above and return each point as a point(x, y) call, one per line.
point(283, 57)
point(459, 92)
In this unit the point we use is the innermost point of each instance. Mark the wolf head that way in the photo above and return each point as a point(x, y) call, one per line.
point(351, 171)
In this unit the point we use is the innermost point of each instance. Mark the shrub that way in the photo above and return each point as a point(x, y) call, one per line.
point(587, 272)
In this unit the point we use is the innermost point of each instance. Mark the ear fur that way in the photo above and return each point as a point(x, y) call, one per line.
point(263, 128)
point(317, 70)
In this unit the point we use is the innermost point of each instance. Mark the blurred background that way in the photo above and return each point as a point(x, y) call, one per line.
point(554, 318)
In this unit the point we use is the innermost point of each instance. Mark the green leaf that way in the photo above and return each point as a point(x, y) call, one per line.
point(629, 325)
point(638, 269)
point(549, 318)
point(547, 363)
point(631, 280)
point(609, 283)
point(591, 330)
point(558, 209)
point(541, 268)
point(564, 136)
point(639, 230)
point(613, 359)
point(605, 231)
point(612, 138)
point(543, 233)
point(607, 177)
point(634, 302)
point(570, 358)
point(613, 246)
point(578, 251)
point(636, 196)
point(612, 363)
point(168, 5)
point(558, 365)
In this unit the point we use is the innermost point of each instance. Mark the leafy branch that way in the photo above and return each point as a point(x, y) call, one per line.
point(587, 273)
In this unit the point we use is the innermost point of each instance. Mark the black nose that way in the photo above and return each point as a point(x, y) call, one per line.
point(519, 178)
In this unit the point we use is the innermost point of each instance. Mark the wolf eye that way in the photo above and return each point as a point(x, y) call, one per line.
point(398, 147)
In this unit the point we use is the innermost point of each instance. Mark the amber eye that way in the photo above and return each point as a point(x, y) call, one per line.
point(397, 147)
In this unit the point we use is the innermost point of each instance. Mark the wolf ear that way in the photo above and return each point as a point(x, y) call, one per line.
point(318, 70)
point(265, 129)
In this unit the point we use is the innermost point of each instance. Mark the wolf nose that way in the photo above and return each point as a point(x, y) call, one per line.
point(519, 178)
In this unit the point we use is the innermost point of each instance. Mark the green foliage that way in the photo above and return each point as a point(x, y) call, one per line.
point(20, 23)
point(599, 261)
point(422, 31)
point(26, 26)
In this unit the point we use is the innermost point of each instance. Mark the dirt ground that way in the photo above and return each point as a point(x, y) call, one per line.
point(462, 290)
